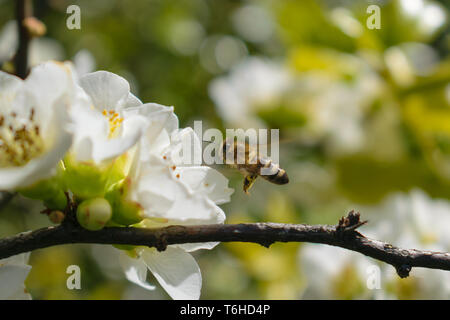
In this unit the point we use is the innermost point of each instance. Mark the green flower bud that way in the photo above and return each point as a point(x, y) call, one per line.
point(88, 179)
point(125, 212)
point(94, 213)
point(50, 191)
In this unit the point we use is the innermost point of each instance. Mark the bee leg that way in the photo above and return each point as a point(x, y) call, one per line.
point(248, 182)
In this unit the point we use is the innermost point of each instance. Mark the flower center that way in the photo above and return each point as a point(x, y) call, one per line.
point(114, 122)
point(20, 140)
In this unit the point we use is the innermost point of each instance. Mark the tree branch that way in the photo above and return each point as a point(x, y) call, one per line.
point(343, 235)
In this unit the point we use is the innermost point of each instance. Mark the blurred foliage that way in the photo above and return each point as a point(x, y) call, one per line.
point(391, 85)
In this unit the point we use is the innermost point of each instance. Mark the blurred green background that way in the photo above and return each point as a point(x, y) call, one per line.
point(363, 113)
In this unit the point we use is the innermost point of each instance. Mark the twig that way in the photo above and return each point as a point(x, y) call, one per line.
point(23, 10)
point(342, 235)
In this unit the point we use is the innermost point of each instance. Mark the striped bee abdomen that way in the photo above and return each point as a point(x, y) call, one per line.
point(272, 172)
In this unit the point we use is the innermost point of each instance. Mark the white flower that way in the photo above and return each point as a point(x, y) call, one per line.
point(33, 123)
point(414, 221)
point(252, 83)
point(103, 129)
point(13, 272)
point(429, 16)
point(335, 273)
point(335, 109)
point(172, 191)
point(169, 186)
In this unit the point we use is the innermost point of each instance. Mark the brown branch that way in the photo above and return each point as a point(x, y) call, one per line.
point(24, 10)
point(342, 235)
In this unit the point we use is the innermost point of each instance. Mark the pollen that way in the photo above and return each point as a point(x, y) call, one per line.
point(20, 140)
point(115, 121)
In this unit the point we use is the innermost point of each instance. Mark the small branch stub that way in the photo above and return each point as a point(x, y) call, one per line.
point(351, 222)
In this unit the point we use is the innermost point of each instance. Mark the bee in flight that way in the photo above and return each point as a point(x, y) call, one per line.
point(250, 164)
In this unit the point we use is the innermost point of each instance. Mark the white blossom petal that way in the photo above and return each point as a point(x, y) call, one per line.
point(12, 278)
point(9, 86)
point(186, 147)
point(132, 101)
point(190, 247)
point(161, 122)
point(46, 84)
point(176, 271)
point(107, 90)
point(162, 195)
point(132, 128)
point(13, 272)
point(207, 181)
point(135, 270)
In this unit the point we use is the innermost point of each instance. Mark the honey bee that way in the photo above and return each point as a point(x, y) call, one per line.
point(250, 164)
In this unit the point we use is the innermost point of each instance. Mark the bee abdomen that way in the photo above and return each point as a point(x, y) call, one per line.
point(272, 172)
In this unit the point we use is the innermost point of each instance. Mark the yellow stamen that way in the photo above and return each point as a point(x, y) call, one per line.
point(19, 142)
point(114, 122)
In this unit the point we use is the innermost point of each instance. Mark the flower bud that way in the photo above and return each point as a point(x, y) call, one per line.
point(94, 213)
point(85, 180)
point(50, 191)
point(34, 26)
point(126, 212)
point(88, 179)
point(56, 216)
